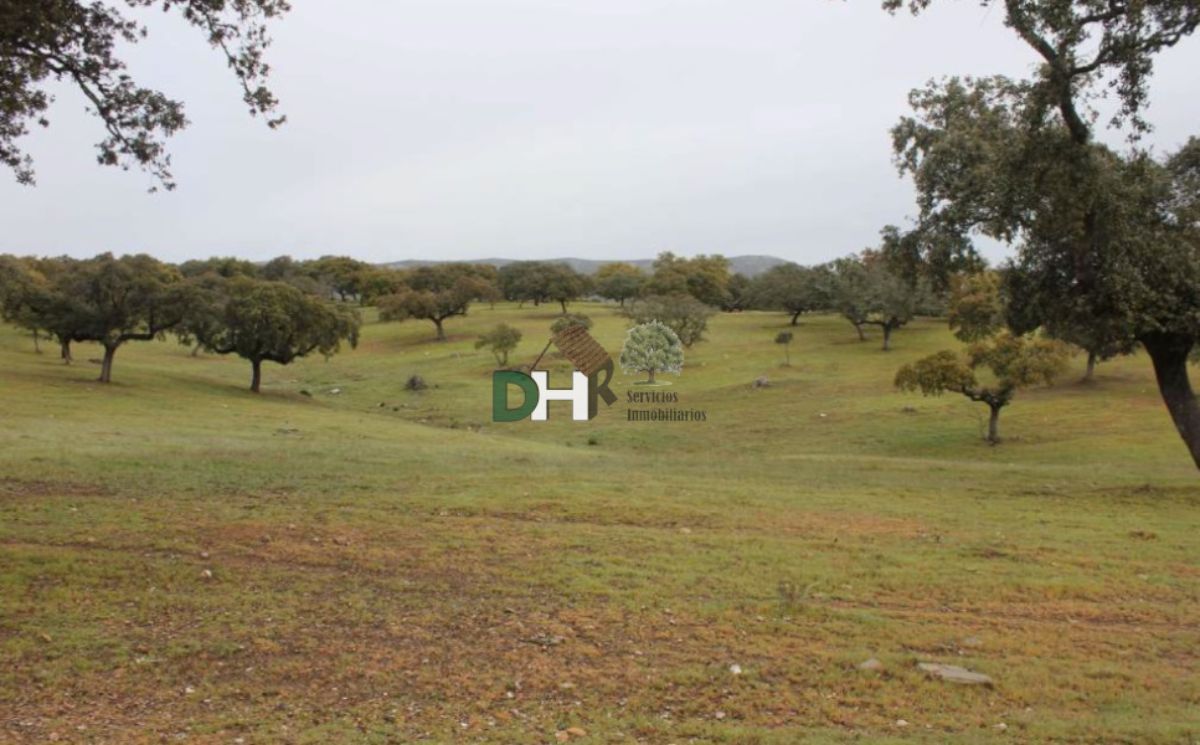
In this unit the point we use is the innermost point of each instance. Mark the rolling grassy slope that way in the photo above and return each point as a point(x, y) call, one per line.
point(182, 560)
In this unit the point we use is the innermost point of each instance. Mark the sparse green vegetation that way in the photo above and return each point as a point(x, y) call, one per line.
point(179, 557)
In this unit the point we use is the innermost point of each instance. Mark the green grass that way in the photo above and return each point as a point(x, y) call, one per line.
point(391, 566)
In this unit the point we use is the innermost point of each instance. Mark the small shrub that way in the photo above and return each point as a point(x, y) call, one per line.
point(501, 340)
point(571, 319)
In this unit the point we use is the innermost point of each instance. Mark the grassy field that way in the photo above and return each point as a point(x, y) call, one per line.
point(184, 561)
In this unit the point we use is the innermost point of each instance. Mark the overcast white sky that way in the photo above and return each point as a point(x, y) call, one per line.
point(459, 129)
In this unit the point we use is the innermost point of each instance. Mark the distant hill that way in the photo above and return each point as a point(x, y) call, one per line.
point(747, 265)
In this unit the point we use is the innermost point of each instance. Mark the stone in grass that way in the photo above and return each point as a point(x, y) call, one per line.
point(955, 674)
point(762, 382)
point(871, 665)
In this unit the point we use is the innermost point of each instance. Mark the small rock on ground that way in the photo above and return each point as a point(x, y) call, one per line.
point(955, 674)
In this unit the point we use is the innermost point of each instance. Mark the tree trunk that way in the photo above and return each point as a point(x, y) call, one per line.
point(196, 350)
point(651, 380)
point(441, 332)
point(861, 335)
point(106, 365)
point(993, 435)
point(887, 337)
point(563, 303)
point(796, 317)
point(1169, 353)
point(256, 377)
point(1091, 368)
point(65, 351)
point(37, 347)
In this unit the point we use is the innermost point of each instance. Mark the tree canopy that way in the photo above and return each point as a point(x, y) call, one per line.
point(264, 321)
point(683, 314)
point(619, 281)
point(1107, 242)
point(79, 43)
point(976, 306)
point(866, 290)
point(111, 301)
point(652, 347)
point(436, 293)
point(1014, 362)
point(500, 341)
point(793, 289)
point(706, 278)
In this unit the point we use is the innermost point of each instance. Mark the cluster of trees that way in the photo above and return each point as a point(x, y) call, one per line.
point(867, 289)
point(225, 309)
point(1107, 241)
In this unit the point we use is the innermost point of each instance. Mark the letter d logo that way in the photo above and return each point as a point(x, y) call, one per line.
point(501, 380)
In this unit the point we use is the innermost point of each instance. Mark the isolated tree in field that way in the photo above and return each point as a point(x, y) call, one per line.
point(112, 301)
point(652, 348)
point(785, 338)
point(706, 278)
point(793, 289)
point(263, 321)
point(78, 43)
point(1103, 237)
point(1014, 362)
point(435, 294)
point(619, 281)
point(976, 306)
point(500, 341)
point(683, 314)
point(562, 323)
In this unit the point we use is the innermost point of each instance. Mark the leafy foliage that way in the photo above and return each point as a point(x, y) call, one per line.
point(620, 282)
point(436, 293)
point(78, 42)
point(541, 281)
point(562, 323)
point(652, 347)
point(792, 288)
point(976, 306)
point(867, 291)
point(500, 341)
point(785, 338)
point(683, 314)
point(741, 294)
point(265, 321)
point(705, 278)
point(110, 301)
point(1014, 362)
point(1108, 246)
